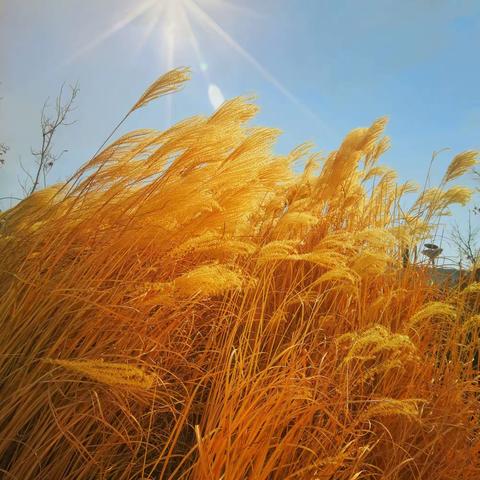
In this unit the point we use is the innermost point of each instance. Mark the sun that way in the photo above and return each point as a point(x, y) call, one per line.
point(170, 22)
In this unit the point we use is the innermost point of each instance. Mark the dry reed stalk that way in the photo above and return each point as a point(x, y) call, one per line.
point(207, 312)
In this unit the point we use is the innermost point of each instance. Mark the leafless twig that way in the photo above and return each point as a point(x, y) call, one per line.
point(3, 150)
point(45, 157)
point(467, 243)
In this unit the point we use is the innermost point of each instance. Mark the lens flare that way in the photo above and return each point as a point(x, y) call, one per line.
point(215, 96)
point(170, 23)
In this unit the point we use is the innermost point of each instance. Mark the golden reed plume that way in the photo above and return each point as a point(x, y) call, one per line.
point(191, 305)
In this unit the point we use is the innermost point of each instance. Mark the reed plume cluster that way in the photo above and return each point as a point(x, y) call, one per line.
point(190, 305)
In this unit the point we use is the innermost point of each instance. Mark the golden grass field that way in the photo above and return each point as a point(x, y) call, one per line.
point(190, 305)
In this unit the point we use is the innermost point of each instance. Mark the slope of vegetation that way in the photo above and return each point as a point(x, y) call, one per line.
point(189, 306)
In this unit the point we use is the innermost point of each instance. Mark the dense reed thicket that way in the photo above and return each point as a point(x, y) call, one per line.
point(191, 305)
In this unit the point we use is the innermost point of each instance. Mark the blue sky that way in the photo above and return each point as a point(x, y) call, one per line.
point(319, 68)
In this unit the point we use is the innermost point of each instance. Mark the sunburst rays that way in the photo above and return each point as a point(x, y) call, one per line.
point(140, 9)
point(207, 21)
point(172, 21)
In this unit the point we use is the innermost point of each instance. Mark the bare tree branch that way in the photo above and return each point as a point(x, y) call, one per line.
point(45, 157)
point(3, 150)
point(11, 198)
point(476, 208)
point(467, 243)
point(24, 184)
